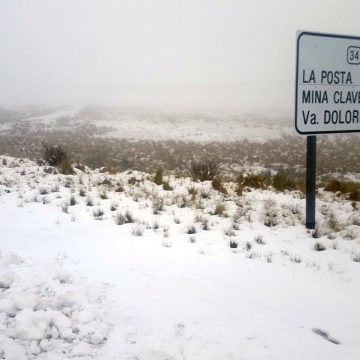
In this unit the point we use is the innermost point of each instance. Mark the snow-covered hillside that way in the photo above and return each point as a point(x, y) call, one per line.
point(112, 266)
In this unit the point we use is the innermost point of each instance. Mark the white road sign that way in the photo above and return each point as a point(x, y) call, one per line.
point(327, 96)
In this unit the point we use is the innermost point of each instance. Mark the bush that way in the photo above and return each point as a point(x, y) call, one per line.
point(56, 155)
point(66, 168)
point(166, 186)
point(334, 186)
point(98, 214)
point(137, 230)
point(204, 170)
point(255, 181)
point(218, 185)
point(191, 230)
point(259, 240)
point(319, 246)
point(158, 178)
point(233, 244)
point(283, 180)
point(219, 209)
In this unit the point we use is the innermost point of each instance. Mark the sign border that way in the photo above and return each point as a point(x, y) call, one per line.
point(298, 37)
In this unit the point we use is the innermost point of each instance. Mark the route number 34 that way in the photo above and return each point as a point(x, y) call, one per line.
point(353, 55)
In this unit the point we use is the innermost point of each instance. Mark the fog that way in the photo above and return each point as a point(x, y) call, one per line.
point(200, 54)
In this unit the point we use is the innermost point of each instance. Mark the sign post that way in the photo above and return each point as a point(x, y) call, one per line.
point(310, 181)
point(327, 95)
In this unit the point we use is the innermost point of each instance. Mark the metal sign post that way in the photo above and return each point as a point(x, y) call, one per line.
point(327, 96)
point(310, 181)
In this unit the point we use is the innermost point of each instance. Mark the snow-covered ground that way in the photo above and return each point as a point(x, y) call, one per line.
point(149, 274)
point(158, 124)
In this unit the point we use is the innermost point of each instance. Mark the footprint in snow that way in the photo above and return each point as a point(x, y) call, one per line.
point(325, 335)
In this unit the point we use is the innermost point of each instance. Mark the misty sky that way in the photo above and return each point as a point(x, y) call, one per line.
point(226, 54)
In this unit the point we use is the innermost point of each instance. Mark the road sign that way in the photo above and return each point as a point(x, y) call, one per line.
point(327, 96)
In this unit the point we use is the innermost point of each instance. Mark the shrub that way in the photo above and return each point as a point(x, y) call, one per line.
point(219, 209)
point(256, 181)
point(157, 205)
point(158, 178)
point(269, 258)
point(103, 195)
point(354, 195)
point(72, 201)
point(204, 170)
point(166, 186)
point(271, 213)
point(356, 257)
point(65, 207)
point(137, 230)
point(230, 232)
point(319, 246)
point(43, 191)
point(259, 240)
point(128, 217)
point(284, 181)
point(89, 201)
point(205, 224)
point(66, 168)
point(218, 185)
point(191, 230)
point(192, 239)
point(334, 186)
point(98, 214)
point(132, 181)
point(54, 155)
point(248, 246)
point(119, 219)
point(295, 259)
point(233, 244)
point(192, 191)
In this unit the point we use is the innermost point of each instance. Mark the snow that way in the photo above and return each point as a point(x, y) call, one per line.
point(74, 287)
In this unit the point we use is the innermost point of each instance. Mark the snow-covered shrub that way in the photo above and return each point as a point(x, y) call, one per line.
point(219, 209)
point(72, 200)
point(43, 191)
point(295, 258)
point(157, 204)
point(82, 193)
point(318, 246)
point(259, 239)
point(269, 257)
point(89, 201)
point(191, 229)
point(192, 239)
point(165, 232)
point(137, 230)
point(54, 155)
point(233, 244)
point(166, 186)
point(113, 207)
point(158, 178)
point(285, 180)
point(356, 257)
point(229, 232)
point(204, 170)
point(103, 195)
point(270, 213)
point(218, 185)
point(65, 207)
point(167, 244)
point(253, 255)
point(98, 214)
point(119, 219)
